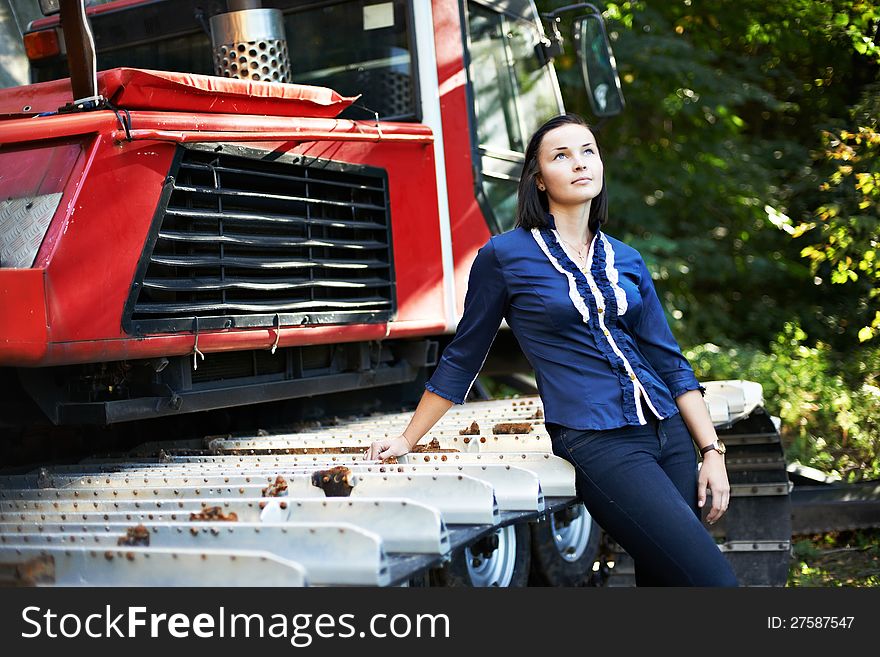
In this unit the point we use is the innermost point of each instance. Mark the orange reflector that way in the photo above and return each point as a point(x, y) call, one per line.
point(39, 45)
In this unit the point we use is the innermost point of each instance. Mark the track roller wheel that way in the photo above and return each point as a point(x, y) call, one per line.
point(499, 559)
point(565, 545)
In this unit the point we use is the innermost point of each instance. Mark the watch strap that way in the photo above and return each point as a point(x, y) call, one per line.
point(709, 448)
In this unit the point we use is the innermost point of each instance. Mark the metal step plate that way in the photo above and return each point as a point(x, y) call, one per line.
point(358, 558)
point(75, 565)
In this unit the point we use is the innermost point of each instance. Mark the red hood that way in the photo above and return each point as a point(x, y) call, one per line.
point(139, 89)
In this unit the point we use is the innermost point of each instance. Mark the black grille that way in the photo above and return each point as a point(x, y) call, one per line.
point(245, 242)
point(240, 364)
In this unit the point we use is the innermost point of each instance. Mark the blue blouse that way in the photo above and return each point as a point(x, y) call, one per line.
point(596, 337)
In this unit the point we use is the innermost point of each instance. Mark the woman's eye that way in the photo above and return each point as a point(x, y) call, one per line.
point(589, 150)
point(558, 155)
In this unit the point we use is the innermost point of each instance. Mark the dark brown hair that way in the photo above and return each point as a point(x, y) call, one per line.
point(531, 203)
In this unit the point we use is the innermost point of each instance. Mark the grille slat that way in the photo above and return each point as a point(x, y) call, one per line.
point(254, 262)
point(236, 225)
point(265, 284)
point(266, 174)
point(194, 309)
point(246, 218)
point(268, 240)
point(235, 193)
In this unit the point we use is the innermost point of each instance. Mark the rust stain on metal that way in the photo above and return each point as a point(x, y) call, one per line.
point(473, 430)
point(293, 451)
point(318, 450)
point(432, 446)
point(276, 488)
point(537, 415)
point(335, 482)
point(134, 536)
point(39, 570)
point(214, 513)
point(512, 427)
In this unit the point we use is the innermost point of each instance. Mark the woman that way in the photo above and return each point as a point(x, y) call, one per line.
point(621, 403)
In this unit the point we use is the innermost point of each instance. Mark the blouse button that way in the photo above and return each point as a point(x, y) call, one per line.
point(605, 331)
point(632, 376)
point(601, 310)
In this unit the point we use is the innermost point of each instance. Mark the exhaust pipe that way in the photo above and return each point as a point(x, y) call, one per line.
point(249, 43)
point(81, 59)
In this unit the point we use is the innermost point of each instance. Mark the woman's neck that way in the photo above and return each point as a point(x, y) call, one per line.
point(573, 222)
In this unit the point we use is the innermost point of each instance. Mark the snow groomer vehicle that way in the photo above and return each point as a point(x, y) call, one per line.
point(213, 208)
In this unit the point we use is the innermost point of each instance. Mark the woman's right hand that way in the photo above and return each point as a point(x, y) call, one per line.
point(382, 450)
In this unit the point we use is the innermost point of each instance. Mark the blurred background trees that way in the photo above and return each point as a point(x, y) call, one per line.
point(745, 170)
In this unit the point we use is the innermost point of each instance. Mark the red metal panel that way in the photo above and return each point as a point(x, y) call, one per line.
point(469, 228)
point(104, 231)
point(23, 332)
point(415, 228)
point(91, 351)
point(101, 232)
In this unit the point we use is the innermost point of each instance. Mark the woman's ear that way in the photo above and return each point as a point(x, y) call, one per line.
point(540, 182)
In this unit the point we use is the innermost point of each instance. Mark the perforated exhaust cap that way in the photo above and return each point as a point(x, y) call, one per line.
point(251, 45)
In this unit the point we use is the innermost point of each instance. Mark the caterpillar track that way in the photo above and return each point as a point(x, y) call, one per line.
point(484, 503)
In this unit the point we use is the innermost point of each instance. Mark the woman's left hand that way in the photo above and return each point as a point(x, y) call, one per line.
point(713, 475)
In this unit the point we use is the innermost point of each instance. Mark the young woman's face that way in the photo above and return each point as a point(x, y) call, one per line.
point(571, 170)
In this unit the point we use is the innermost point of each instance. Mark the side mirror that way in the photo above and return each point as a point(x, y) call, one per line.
point(597, 65)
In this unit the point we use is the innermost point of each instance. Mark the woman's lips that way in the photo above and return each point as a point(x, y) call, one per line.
point(581, 180)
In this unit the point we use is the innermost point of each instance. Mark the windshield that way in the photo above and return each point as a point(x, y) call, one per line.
point(351, 47)
point(513, 95)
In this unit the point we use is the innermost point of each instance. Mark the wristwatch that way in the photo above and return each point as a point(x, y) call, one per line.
point(718, 446)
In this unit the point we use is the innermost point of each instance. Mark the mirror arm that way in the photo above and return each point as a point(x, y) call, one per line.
point(553, 16)
point(551, 46)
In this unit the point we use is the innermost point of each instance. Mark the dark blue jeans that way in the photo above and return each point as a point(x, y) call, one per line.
point(640, 484)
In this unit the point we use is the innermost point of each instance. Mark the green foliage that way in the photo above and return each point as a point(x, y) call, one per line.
point(844, 239)
point(829, 404)
point(849, 558)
